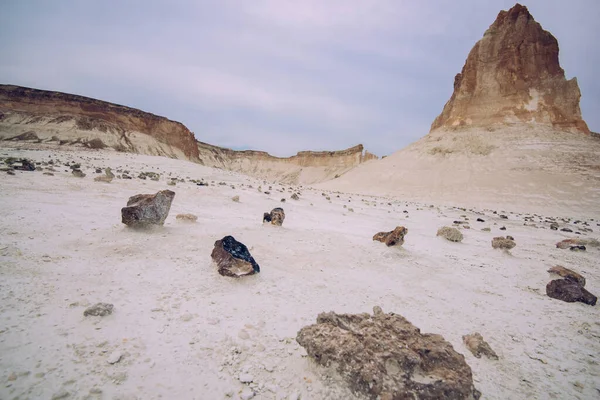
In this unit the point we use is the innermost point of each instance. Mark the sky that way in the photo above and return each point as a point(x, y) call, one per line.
point(278, 75)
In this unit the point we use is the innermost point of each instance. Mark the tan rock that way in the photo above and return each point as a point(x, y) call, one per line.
point(503, 243)
point(567, 274)
point(393, 238)
point(186, 217)
point(478, 346)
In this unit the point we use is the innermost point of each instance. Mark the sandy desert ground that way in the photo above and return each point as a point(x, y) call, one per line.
point(182, 331)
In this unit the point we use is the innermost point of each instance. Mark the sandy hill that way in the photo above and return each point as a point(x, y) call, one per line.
point(511, 134)
point(62, 119)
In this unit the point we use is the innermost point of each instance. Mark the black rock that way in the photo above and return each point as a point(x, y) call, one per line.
point(569, 291)
point(480, 220)
point(577, 248)
point(566, 230)
point(502, 228)
point(26, 165)
point(503, 216)
point(233, 258)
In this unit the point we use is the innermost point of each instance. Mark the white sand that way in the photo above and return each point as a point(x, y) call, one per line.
point(185, 332)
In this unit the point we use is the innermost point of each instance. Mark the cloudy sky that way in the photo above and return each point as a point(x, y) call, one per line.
point(278, 75)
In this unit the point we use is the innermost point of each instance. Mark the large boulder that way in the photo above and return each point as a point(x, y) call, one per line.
point(275, 217)
point(233, 258)
point(147, 209)
point(393, 238)
point(385, 357)
point(569, 291)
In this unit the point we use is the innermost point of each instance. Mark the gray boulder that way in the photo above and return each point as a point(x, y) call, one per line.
point(147, 209)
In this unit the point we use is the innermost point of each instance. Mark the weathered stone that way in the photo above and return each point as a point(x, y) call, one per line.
point(395, 237)
point(147, 209)
point(449, 233)
point(569, 291)
point(236, 199)
point(478, 346)
point(568, 243)
point(567, 274)
point(99, 310)
point(186, 217)
point(275, 217)
point(233, 258)
point(384, 356)
point(503, 243)
point(554, 226)
point(578, 248)
point(295, 197)
point(78, 173)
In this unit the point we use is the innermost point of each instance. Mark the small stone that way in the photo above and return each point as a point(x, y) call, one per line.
point(449, 233)
point(295, 197)
point(99, 310)
point(114, 357)
point(236, 199)
point(186, 217)
point(246, 378)
point(78, 173)
point(503, 243)
point(275, 217)
point(478, 346)
point(577, 248)
point(393, 238)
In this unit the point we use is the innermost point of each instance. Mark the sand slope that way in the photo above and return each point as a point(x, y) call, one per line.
point(185, 332)
point(519, 168)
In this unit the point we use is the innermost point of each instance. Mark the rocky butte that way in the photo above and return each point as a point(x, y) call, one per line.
point(41, 116)
point(513, 75)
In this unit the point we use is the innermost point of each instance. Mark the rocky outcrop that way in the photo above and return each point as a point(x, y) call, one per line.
point(393, 238)
point(147, 209)
point(46, 116)
point(233, 258)
point(386, 357)
point(513, 75)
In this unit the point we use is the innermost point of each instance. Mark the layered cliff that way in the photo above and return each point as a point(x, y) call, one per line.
point(306, 167)
point(512, 75)
point(40, 116)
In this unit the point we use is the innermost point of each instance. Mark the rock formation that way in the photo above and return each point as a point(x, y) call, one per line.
point(147, 209)
point(40, 116)
point(393, 238)
point(233, 258)
point(386, 357)
point(569, 291)
point(513, 75)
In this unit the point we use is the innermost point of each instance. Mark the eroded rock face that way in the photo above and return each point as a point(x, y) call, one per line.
point(233, 258)
point(386, 357)
point(147, 209)
point(393, 238)
point(569, 291)
point(513, 75)
point(275, 217)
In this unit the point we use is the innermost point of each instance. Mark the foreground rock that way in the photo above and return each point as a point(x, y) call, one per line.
point(233, 258)
point(569, 291)
point(393, 238)
point(567, 274)
point(386, 357)
point(478, 346)
point(99, 310)
point(275, 217)
point(505, 243)
point(449, 233)
point(147, 209)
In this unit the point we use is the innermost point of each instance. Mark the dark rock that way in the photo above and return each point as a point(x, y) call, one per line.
point(24, 165)
point(395, 237)
point(478, 346)
point(554, 226)
point(480, 220)
point(147, 209)
point(502, 228)
point(566, 230)
point(384, 356)
point(295, 197)
point(275, 217)
point(10, 172)
point(78, 173)
point(578, 248)
point(99, 310)
point(510, 237)
point(283, 200)
point(569, 291)
point(503, 216)
point(233, 258)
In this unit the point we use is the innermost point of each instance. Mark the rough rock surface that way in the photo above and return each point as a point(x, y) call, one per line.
point(386, 357)
point(395, 237)
point(513, 75)
point(567, 274)
point(569, 291)
point(503, 243)
point(233, 258)
point(147, 209)
point(275, 217)
point(451, 234)
point(99, 310)
point(478, 346)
